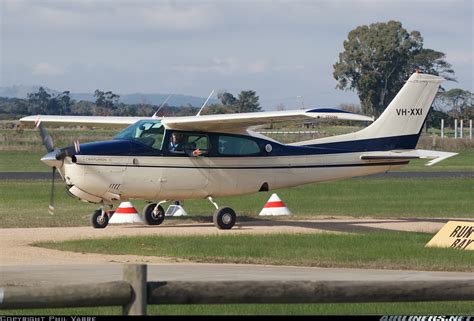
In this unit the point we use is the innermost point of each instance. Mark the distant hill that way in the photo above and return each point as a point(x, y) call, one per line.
point(21, 91)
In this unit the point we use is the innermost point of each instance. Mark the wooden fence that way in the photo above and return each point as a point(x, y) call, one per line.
point(133, 293)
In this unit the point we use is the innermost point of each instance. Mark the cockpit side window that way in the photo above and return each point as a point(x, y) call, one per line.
point(152, 136)
point(148, 132)
point(184, 143)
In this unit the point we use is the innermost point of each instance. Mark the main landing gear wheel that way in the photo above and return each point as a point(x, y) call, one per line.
point(152, 217)
point(98, 220)
point(224, 218)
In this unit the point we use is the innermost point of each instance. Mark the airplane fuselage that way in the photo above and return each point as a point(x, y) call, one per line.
point(110, 178)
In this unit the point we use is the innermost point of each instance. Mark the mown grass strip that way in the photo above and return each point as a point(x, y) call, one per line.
point(394, 250)
point(25, 203)
point(23, 162)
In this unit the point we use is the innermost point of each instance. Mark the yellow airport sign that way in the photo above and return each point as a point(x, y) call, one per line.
point(456, 235)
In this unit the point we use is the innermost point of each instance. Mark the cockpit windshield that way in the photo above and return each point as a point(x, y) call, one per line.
point(147, 131)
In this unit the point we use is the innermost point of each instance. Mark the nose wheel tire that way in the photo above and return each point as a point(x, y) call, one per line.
point(224, 218)
point(152, 218)
point(98, 220)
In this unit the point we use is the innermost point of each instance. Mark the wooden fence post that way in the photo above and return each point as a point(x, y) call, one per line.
point(136, 275)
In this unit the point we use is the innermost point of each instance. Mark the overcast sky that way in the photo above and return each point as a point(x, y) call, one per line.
point(281, 49)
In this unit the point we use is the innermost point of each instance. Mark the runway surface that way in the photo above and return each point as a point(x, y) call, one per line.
point(47, 175)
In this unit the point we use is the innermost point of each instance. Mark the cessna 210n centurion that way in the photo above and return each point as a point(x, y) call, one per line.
point(199, 157)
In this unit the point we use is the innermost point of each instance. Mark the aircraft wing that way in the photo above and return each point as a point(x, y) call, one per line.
point(223, 122)
point(433, 155)
point(240, 122)
point(99, 121)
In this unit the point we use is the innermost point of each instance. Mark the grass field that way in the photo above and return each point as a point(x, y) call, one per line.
point(405, 308)
point(25, 203)
point(23, 162)
point(371, 250)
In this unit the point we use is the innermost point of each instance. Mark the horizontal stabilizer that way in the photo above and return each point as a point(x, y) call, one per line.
point(433, 155)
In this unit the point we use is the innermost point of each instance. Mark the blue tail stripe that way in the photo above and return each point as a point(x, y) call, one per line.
point(328, 110)
point(371, 144)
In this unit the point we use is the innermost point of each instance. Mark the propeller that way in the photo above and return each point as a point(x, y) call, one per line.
point(45, 137)
point(55, 157)
point(51, 199)
point(48, 144)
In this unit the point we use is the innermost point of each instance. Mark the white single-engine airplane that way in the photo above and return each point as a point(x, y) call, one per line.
point(233, 160)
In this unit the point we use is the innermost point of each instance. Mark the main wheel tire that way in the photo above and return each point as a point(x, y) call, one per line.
point(224, 218)
point(152, 218)
point(98, 221)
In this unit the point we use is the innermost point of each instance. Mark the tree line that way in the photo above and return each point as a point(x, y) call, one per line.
point(108, 103)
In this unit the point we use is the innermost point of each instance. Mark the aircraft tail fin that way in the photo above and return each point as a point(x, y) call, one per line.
point(400, 125)
point(407, 112)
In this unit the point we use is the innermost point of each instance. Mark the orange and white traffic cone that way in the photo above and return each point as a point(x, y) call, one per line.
point(125, 214)
point(274, 206)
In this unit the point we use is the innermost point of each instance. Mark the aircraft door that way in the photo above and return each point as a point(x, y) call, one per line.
point(185, 173)
point(144, 172)
point(188, 178)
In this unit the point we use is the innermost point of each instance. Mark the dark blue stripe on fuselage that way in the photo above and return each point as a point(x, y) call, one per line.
point(135, 148)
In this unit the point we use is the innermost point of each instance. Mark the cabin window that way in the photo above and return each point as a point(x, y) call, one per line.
point(152, 136)
point(185, 143)
point(237, 146)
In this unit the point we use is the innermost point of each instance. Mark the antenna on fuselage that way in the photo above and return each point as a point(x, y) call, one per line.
point(204, 105)
point(162, 104)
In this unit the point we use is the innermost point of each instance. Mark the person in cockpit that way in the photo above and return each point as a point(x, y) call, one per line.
point(178, 145)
